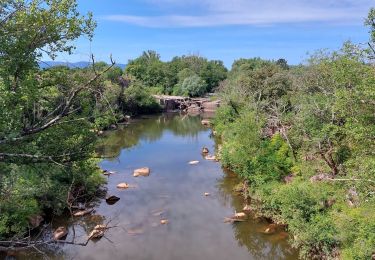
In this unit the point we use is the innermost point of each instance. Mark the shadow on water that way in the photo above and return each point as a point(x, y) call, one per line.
point(174, 191)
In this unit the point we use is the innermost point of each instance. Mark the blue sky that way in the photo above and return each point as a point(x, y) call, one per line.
point(221, 29)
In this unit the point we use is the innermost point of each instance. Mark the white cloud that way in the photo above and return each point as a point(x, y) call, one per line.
point(249, 12)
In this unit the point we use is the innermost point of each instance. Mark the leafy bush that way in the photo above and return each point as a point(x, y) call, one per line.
point(137, 100)
point(193, 86)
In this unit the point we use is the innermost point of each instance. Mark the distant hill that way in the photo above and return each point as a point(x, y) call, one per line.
point(80, 64)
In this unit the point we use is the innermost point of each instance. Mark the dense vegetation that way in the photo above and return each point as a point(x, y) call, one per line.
point(49, 118)
point(303, 138)
point(187, 75)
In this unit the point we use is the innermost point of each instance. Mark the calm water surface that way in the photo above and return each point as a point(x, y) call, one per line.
point(174, 191)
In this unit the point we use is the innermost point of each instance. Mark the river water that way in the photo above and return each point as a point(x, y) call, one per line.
point(174, 191)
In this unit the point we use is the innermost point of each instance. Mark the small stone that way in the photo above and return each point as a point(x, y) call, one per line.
point(206, 122)
point(240, 215)
point(205, 150)
point(193, 162)
point(164, 221)
point(145, 171)
point(60, 233)
point(98, 232)
point(82, 213)
point(123, 185)
point(207, 194)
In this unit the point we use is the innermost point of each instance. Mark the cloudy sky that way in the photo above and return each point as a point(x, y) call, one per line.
point(219, 29)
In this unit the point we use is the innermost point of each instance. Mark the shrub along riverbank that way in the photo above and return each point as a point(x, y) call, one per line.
point(303, 139)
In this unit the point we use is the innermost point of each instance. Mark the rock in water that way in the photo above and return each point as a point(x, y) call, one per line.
point(210, 158)
point(98, 232)
point(145, 171)
point(206, 122)
point(164, 221)
point(60, 233)
point(193, 162)
point(207, 194)
point(112, 199)
point(205, 150)
point(240, 215)
point(123, 185)
point(82, 213)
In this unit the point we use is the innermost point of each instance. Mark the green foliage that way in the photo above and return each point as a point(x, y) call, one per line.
point(193, 86)
point(170, 76)
point(138, 100)
point(291, 123)
point(47, 116)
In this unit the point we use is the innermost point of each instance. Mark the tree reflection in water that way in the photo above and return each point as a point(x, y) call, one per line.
point(248, 233)
point(148, 129)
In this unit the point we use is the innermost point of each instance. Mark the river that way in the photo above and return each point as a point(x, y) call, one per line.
point(174, 191)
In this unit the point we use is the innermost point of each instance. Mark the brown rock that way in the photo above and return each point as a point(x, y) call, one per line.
point(210, 158)
point(123, 185)
point(271, 229)
point(145, 171)
point(98, 232)
point(240, 215)
point(164, 221)
point(60, 233)
point(206, 122)
point(82, 213)
point(205, 150)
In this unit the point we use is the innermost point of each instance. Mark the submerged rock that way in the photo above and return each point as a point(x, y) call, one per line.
point(271, 229)
point(60, 233)
point(238, 217)
point(145, 171)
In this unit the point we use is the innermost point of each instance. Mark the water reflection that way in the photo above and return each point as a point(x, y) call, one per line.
point(148, 128)
point(249, 234)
